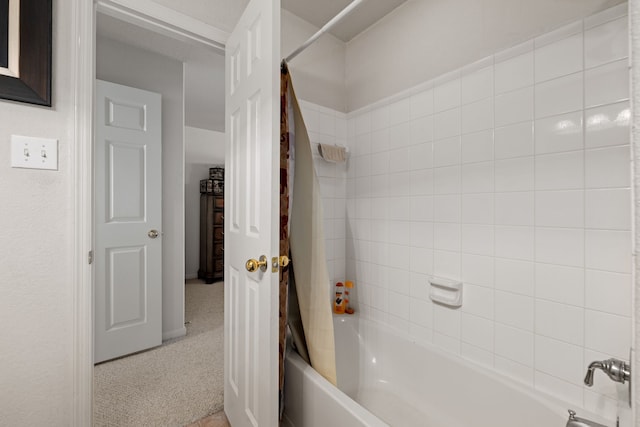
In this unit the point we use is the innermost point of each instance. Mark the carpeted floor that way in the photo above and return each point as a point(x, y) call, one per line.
point(172, 385)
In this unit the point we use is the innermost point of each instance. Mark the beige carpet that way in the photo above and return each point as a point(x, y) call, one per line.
point(172, 385)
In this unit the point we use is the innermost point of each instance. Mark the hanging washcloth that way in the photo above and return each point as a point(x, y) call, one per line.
point(332, 153)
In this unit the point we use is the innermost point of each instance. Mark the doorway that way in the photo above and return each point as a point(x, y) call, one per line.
point(189, 78)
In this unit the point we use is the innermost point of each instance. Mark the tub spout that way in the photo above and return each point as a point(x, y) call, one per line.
point(617, 370)
point(581, 422)
point(588, 379)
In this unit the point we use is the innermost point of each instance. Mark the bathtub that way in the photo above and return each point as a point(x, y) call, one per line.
point(385, 379)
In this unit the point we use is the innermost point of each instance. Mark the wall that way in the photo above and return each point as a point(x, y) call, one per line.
point(634, 19)
point(319, 83)
point(318, 72)
point(442, 35)
point(36, 244)
point(328, 126)
point(156, 73)
point(202, 150)
point(204, 91)
point(511, 175)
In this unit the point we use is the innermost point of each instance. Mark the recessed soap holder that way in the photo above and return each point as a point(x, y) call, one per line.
point(445, 291)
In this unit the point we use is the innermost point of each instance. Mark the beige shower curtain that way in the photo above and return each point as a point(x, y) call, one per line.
point(307, 248)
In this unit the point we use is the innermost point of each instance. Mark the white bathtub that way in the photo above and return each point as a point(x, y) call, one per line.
point(387, 380)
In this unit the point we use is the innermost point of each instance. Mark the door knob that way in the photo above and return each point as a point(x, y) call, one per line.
point(153, 234)
point(252, 265)
point(284, 261)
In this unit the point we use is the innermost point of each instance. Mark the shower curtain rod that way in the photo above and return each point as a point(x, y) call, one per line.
point(347, 10)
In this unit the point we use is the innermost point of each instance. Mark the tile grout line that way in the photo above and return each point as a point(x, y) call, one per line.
point(535, 198)
point(584, 210)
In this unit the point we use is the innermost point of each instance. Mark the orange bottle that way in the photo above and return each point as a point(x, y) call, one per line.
point(348, 297)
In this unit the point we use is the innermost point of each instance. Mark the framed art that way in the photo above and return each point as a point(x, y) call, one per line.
point(25, 51)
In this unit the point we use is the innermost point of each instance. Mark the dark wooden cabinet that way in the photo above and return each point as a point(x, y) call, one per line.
point(211, 234)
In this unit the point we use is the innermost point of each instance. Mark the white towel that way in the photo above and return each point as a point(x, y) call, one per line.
point(332, 153)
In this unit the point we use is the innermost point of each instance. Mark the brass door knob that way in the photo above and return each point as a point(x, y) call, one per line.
point(252, 265)
point(284, 261)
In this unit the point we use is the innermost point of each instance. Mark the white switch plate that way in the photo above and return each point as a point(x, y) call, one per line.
point(34, 153)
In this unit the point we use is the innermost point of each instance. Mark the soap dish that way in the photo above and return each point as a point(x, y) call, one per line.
point(446, 291)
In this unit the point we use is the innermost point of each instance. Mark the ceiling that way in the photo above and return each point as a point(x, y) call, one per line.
point(224, 13)
point(319, 13)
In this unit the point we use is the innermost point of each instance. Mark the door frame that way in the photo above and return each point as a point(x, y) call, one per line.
point(145, 14)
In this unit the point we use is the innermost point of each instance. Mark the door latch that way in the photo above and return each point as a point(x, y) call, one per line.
point(277, 262)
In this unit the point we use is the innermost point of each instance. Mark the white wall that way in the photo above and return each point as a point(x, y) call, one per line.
point(203, 149)
point(318, 72)
point(123, 64)
point(511, 175)
point(319, 83)
point(36, 243)
point(634, 14)
point(424, 38)
point(328, 126)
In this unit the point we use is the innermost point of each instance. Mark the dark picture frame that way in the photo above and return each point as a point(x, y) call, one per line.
point(33, 85)
point(4, 33)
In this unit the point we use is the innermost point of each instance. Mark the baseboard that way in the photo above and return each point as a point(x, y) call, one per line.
point(174, 334)
point(189, 276)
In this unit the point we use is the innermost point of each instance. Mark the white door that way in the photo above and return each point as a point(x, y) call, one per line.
point(252, 216)
point(128, 216)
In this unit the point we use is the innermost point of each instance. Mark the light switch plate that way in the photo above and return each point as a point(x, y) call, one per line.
point(34, 153)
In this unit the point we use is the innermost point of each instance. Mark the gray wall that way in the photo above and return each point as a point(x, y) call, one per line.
point(36, 249)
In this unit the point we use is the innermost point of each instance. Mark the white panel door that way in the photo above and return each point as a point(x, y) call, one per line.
point(252, 216)
point(128, 216)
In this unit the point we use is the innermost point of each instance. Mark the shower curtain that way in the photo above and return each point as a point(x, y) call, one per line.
point(284, 227)
point(302, 236)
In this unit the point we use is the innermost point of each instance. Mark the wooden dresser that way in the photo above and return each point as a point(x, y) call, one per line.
point(211, 232)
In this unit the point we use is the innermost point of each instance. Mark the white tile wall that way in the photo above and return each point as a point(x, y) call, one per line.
point(514, 140)
point(559, 58)
point(514, 73)
point(514, 178)
point(559, 133)
point(328, 126)
point(607, 125)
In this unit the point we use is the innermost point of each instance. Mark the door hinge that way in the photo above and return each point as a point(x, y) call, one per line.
point(90, 257)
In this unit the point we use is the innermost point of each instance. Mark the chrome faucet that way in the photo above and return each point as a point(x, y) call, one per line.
point(581, 422)
point(617, 370)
